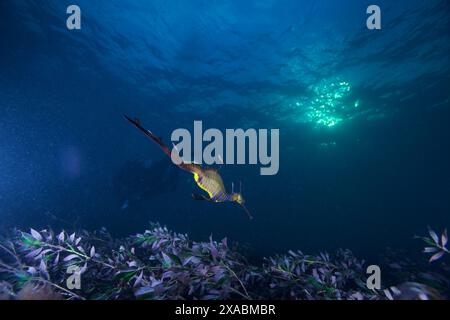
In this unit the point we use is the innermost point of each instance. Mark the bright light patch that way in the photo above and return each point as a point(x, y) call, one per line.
point(328, 104)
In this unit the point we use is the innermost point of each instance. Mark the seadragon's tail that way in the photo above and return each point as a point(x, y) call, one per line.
point(191, 167)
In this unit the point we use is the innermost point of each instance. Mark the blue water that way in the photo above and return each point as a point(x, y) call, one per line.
point(370, 171)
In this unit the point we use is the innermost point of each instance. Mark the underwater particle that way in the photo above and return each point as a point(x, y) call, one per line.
point(327, 144)
point(125, 205)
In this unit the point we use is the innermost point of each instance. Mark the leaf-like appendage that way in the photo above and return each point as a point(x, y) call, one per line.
point(167, 259)
point(433, 235)
point(444, 238)
point(430, 249)
point(71, 257)
point(436, 256)
point(36, 234)
point(138, 280)
point(61, 236)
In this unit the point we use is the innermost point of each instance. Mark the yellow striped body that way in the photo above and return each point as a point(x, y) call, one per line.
point(210, 181)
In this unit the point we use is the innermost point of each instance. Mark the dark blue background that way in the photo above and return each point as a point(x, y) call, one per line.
point(374, 180)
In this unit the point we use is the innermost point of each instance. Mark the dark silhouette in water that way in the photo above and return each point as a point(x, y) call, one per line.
point(207, 179)
point(138, 181)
